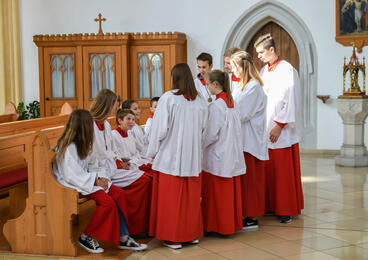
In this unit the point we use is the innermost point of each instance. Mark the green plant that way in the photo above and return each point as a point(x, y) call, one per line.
point(32, 110)
point(22, 112)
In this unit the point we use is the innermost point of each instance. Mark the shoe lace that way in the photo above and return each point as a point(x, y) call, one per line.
point(92, 243)
point(132, 243)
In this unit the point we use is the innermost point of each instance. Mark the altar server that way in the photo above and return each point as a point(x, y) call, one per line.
point(204, 66)
point(132, 180)
point(175, 141)
point(283, 178)
point(77, 168)
point(234, 81)
point(137, 132)
point(223, 160)
point(251, 101)
point(153, 105)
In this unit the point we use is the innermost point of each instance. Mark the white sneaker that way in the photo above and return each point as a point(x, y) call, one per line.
point(172, 246)
point(89, 244)
point(194, 242)
point(130, 244)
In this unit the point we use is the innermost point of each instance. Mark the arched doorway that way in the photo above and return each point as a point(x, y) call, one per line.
point(286, 48)
point(271, 13)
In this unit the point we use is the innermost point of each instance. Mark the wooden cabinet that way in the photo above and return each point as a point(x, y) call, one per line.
point(74, 67)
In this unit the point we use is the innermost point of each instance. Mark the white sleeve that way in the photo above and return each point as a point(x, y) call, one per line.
point(290, 87)
point(159, 126)
point(73, 172)
point(248, 104)
point(215, 120)
point(147, 126)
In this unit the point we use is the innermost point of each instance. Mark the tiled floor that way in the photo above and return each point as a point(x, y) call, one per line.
point(334, 224)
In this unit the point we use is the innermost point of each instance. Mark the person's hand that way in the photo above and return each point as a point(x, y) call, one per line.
point(275, 133)
point(125, 165)
point(103, 183)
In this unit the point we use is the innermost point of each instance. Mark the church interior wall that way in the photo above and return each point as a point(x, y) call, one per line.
point(206, 24)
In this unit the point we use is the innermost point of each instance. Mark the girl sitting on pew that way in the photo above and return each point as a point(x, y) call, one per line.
point(136, 184)
point(77, 168)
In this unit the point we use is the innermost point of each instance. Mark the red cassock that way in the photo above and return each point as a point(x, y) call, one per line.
point(221, 204)
point(105, 223)
point(138, 197)
point(176, 208)
point(283, 182)
point(253, 187)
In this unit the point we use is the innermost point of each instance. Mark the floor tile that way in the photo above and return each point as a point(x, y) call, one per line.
point(350, 252)
point(312, 256)
point(248, 253)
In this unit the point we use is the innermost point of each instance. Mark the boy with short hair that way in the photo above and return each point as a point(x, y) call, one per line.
point(204, 65)
point(153, 105)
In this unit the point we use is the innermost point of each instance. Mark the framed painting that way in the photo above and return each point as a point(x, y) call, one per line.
point(352, 23)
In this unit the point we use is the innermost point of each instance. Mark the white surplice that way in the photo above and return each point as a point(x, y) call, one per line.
point(105, 152)
point(140, 137)
point(147, 127)
point(72, 172)
point(204, 91)
point(251, 104)
point(282, 87)
point(233, 83)
point(126, 148)
point(223, 149)
point(176, 134)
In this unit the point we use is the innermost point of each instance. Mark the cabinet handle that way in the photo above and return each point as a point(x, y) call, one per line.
point(47, 99)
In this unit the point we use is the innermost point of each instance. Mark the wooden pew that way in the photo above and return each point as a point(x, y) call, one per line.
point(45, 227)
point(10, 113)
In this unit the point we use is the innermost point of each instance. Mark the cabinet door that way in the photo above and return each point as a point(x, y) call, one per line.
point(150, 72)
point(101, 69)
point(63, 83)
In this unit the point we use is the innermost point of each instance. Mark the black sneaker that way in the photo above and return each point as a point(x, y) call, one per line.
point(90, 244)
point(285, 219)
point(249, 223)
point(130, 244)
point(269, 213)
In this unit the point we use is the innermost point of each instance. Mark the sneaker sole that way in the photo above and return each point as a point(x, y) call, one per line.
point(142, 248)
point(91, 250)
point(250, 227)
point(286, 222)
point(173, 246)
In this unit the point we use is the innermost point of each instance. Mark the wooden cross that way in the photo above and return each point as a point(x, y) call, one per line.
point(99, 20)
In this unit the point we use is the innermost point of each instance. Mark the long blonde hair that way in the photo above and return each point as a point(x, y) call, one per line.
point(78, 130)
point(243, 62)
point(103, 104)
point(222, 78)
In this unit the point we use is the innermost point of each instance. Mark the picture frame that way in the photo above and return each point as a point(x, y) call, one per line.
point(352, 23)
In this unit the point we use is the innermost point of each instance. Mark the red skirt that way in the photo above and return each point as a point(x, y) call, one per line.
point(138, 196)
point(283, 182)
point(221, 204)
point(176, 208)
point(105, 223)
point(253, 187)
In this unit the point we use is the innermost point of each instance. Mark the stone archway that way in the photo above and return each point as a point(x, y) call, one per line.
point(251, 21)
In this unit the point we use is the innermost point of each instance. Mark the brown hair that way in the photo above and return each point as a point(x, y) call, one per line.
point(154, 99)
point(121, 113)
point(205, 57)
point(222, 78)
point(182, 80)
point(267, 42)
point(244, 61)
point(231, 51)
point(127, 104)
point(78, 130)
point(102, 105)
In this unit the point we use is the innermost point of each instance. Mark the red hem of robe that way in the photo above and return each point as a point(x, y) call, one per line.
point(138, 197)
point(176, 208)
point(253, 187)
point(221, 204)
point(283, 182)
point(105, 223)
